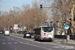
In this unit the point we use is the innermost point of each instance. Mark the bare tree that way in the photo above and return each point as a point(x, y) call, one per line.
point(62, 9)
point(29, 17)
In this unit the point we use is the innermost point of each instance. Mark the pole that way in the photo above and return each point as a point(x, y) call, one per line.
point(4, 22)
point(66, 35)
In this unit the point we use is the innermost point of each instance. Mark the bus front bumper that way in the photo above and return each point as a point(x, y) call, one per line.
point(47, 38)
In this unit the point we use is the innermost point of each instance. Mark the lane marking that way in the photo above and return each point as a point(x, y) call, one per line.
point(64, 47)
point(21, 42)
point(42, 42)
point(34, 41)
point(31, 44)
point(3, 43)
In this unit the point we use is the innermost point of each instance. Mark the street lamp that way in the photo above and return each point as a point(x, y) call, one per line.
point(51, 23)
point(57, 24)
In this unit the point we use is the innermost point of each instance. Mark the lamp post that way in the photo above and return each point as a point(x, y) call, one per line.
point(57, 24)
point(8, 24)
point(51, 23)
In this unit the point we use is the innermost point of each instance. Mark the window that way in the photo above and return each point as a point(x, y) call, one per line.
point(37, 31)
point(47, 29)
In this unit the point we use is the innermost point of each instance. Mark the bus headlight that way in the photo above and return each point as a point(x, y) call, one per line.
point(49, 35)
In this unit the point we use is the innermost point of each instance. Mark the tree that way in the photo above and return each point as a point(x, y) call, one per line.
point(63, 9)
point(29, 17)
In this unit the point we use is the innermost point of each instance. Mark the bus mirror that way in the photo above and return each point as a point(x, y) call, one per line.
point(53, 27)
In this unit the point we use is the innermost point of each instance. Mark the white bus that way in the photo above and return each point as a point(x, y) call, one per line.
point(44, 33)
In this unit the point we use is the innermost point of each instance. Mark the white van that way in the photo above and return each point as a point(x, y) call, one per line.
point(6, 32)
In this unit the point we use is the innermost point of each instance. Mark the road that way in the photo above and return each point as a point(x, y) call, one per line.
point(17, 42)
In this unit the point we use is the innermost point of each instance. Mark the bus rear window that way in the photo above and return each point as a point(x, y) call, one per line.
point(37, 31)
point(47, 29)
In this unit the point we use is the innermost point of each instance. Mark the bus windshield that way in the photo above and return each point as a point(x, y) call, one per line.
point(47, 29)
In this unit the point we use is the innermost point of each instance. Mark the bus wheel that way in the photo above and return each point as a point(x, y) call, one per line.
point(51, 40)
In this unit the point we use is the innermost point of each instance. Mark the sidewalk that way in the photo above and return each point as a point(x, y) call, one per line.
point(64, 41)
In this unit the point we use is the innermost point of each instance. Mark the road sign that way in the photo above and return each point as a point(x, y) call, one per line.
point(15, 26)
point(66, 27)
point(19, 29)
point(45, 24)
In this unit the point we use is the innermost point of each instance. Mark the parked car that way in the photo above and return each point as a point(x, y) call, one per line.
point(1, 31)
point(27, 34)
point(6, 32)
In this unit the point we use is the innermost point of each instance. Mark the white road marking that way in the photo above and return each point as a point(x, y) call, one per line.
point(42, 43)
point(21, 42)
point(3, 43)
point(35, 41)
point(64, 47)
point(31, 44)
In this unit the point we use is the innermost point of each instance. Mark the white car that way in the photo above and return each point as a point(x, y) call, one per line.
point(6, 33)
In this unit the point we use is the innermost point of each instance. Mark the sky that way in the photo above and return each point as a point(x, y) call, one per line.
point(5, 5)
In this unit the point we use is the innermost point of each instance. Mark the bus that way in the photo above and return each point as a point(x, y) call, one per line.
point(44, 33)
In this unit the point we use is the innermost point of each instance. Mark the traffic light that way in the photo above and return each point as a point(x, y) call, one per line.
point(64, 22)
point(40, 6)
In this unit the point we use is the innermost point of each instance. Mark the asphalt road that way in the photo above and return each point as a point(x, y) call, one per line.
point(16, 42)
